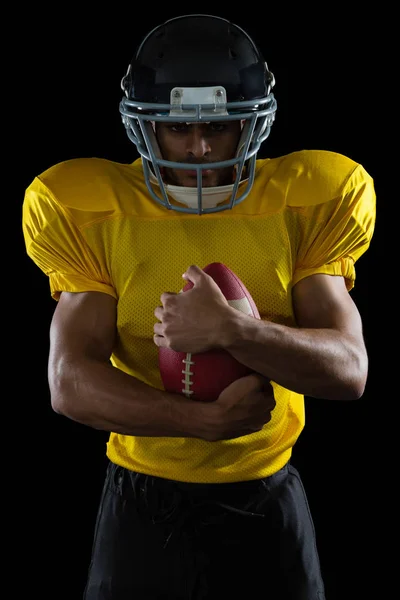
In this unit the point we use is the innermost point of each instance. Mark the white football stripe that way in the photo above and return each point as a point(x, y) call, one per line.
point(243, 305)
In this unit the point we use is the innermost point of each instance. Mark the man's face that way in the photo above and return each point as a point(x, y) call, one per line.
point(198, 143)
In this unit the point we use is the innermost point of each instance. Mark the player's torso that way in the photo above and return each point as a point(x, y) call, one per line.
point(147, 248)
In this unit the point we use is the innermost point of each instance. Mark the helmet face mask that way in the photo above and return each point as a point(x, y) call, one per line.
point(198, 69)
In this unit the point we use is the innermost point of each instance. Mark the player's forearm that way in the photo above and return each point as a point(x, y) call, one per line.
point(103, 397)
point(321, 363)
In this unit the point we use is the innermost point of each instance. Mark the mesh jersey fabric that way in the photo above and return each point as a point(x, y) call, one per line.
point(90, 225)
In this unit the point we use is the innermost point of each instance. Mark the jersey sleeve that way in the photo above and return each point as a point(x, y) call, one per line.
point(56, 245)
point(334, 234)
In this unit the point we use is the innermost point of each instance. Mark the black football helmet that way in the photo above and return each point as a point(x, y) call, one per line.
point(198, 68)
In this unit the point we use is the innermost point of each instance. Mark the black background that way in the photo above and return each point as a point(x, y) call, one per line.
point(67, 95)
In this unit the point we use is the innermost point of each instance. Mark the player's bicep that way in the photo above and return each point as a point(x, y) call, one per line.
point(84, 324)
point(323, 301)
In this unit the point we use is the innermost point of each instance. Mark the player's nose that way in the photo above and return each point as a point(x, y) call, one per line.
point(197, 144)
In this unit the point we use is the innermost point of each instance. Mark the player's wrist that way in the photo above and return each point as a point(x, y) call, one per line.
point(189, 418)
point(233, 328)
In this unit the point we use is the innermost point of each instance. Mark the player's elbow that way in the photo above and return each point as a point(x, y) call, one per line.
point(58, 402)
point(353, 379)
point(360, 374)
point(347, 379)
point(354, 390)
point(59, 379)
point(340, 389)
point(58, 397)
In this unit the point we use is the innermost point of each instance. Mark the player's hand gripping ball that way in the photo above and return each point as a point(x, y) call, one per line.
point(205, 375)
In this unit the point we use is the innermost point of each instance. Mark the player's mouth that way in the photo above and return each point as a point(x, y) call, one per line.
point(193, 173)
point(190, 178)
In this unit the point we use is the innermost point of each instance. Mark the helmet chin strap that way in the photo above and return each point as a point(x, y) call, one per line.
point(211, 196)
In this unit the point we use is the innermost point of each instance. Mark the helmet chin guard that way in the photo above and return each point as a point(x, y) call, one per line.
point(198, 69)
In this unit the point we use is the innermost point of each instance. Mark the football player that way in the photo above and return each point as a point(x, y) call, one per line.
point(200, 499)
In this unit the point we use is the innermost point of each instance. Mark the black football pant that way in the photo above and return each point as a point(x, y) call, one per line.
point(156, 539)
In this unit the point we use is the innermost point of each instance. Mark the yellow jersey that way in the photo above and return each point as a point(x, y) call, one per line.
point(90, 225)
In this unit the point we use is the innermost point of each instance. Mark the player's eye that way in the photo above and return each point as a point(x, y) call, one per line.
point(217, 127)
point(178, 127)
